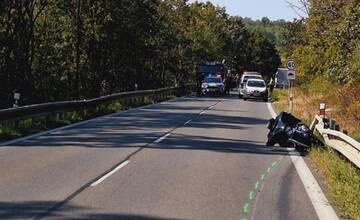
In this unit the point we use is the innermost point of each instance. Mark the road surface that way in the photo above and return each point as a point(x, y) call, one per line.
point(189, 158)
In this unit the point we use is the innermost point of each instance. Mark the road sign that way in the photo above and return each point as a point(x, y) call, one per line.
point(17, 96)
point(291, 75)
point(291, 64)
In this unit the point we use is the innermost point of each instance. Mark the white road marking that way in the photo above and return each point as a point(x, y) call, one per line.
point(162, 138)
point(211, 107)
point(201, 113)
point(271, 110)
point(188, 122)
point(321, 205)
point(110, 173)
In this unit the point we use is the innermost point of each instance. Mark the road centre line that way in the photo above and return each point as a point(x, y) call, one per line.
point(127, 161)
point(112, 171)
point(319, 201)
point(97, 182)
point(190, 120)
point(162, 138)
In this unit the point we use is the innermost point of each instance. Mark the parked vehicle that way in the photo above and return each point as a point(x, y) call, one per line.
point(288, 131)
point(244, 78)
point(213, 86)
point(255, 88)
point(209, 69)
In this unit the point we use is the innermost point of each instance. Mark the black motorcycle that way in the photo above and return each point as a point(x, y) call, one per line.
point(288, 131)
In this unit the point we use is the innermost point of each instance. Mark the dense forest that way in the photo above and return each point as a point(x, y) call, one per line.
point(327, 42)
point(326, 46)
point(74, 49)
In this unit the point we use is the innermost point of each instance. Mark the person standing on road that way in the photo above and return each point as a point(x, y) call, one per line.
point(227, 84)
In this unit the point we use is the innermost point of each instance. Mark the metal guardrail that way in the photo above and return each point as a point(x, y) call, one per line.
point(347, 146)
point(31, 111)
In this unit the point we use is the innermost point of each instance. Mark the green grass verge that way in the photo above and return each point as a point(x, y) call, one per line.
point(342, 180)
point(280, 99)
point(279, 94)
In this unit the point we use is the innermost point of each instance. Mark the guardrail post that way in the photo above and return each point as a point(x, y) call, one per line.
point(16, 125)
point(332, 124)
point(47, 121)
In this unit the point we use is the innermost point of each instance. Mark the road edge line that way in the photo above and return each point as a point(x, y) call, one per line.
point(322, 207)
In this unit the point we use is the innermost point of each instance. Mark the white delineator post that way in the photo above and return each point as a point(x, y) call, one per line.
point(322, 110)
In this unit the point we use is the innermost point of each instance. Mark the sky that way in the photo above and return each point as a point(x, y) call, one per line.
point(256, 9)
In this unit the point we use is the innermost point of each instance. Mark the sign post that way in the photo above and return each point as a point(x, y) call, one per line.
point(291, 65)
point(16, 100)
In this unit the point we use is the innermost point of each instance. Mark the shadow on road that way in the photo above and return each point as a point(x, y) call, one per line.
point(223, 145)
point(34, 209)
point(138, 128)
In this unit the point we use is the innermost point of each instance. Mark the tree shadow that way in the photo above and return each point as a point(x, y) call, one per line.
point(135, 129)
point(222, 145)
point(29, 209)
point(37, 210)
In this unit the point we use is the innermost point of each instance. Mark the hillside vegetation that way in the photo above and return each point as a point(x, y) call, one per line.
point(63, 50)
point(326, 47)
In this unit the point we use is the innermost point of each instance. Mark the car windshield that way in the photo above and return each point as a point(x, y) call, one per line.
point(253, 83)
point(212, 80)
point(246, 78)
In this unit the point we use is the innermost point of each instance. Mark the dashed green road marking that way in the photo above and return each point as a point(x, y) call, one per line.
point(257, 184)
point(246, 208)
point(251, 195)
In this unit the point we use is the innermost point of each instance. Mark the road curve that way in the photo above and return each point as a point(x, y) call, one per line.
point(190, 158)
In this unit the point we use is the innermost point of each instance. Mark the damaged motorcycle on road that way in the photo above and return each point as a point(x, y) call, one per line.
point(288, 131)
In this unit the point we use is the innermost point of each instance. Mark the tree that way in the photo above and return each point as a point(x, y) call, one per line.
point(72, 49)
point(237, 45)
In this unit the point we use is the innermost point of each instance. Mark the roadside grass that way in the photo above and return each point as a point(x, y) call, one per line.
point(21, 128)
point(280, 99)
point(342, 180)
point(278, 94)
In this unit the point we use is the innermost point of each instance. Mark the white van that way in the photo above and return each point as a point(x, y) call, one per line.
point(256, 89)
point(244, 78)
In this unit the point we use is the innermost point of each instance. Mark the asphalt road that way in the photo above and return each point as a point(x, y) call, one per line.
point(190, 158)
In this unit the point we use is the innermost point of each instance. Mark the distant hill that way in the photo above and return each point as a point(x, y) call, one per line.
point(273, 30)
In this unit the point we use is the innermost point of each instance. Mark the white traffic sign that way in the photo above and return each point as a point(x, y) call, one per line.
point(291, 75)
point(291, 64)
point(17, 96)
